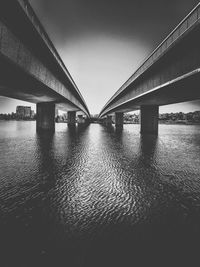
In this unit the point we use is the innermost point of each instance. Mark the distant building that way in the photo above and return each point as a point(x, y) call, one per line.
point(27, 112)
point(65, 117)
point(32, 114)
point(20, 111)
point(23, 112)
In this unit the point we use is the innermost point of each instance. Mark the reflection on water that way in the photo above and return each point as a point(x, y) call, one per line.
point(94, 196)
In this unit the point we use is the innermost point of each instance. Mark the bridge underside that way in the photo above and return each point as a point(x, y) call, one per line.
point(171, 75)
point(15, 83)
point(186, 89)
point(31, 68)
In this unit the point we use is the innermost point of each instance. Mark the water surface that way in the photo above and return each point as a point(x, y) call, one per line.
point(94, 196)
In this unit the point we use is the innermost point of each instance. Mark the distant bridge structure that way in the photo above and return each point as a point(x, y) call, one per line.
point(31, 68)
point(170, 74)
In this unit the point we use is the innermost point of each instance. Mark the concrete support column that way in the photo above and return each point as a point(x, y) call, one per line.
point(81, 120)
point(71, 117)
point(149, 119)
point(101, 121)
point(119, 119)
point(108, 120)
point(45, 116)
point(104, 121)
point(87, 120)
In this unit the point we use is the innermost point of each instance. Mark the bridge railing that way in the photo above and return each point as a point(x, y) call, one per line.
point(180, 29)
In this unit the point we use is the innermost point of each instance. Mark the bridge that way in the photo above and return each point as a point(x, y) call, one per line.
point(31, 68)
point(170, 74)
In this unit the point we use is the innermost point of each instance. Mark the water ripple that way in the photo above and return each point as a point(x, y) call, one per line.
point(82, 182)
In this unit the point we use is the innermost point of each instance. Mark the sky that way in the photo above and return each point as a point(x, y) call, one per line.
point(103, 42)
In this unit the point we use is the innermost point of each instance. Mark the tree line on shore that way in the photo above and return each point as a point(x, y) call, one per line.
point(178, 117)
point(14, 116)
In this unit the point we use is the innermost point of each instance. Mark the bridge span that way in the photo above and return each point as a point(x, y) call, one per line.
point(170, 74)
point(31, 68)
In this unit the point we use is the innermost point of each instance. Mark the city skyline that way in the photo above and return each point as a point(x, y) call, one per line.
point(8, 105)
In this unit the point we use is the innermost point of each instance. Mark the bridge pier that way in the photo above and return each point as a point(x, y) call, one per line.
point(149, 119)
point(81, 120)
point(45, 116)
point(71, 116)
point(119, 119)
point(109, 120)
point(104, 121)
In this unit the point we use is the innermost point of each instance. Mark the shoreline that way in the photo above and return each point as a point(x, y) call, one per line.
point(160, 122)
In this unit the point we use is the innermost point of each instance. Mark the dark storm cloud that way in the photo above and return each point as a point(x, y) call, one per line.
point(149, 21)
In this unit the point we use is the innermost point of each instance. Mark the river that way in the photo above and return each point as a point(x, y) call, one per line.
point(93, 196)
